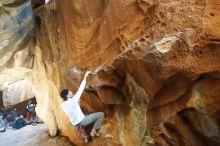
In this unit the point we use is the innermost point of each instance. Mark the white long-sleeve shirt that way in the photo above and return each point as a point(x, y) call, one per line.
point(71, 107)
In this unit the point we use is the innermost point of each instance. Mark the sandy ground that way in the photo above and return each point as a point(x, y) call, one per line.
point(31, 136)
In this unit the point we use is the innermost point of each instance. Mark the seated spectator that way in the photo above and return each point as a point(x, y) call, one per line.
point(11, 116)
point(19, 123)
point(14, 113)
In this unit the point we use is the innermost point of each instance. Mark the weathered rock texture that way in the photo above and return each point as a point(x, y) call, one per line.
point(18, 91)
point(156, 63)
point(16, 59)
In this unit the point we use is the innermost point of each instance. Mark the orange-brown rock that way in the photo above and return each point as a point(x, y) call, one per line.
point(156, 68)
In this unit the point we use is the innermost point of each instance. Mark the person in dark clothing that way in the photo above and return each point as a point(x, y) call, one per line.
point(11, 116)
point(14, 113)
point(19, 123)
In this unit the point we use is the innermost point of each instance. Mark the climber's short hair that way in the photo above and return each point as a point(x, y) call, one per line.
point(64, 94)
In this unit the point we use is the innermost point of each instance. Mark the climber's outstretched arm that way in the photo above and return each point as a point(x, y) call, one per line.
point(81, 88)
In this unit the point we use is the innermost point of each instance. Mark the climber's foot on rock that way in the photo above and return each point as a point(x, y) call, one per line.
point(94, 133)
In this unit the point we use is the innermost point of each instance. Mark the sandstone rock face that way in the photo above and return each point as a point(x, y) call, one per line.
point(17, 92)
point(16, 58)
point(156, 68)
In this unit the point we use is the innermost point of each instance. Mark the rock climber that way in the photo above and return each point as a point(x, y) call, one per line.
point(72, 109)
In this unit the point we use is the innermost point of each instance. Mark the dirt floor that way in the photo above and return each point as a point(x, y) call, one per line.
point(31, 136)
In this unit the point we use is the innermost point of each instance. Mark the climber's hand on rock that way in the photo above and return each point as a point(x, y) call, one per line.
point(87, 73)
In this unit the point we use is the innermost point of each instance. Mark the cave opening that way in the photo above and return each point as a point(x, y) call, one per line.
point(17, 95)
